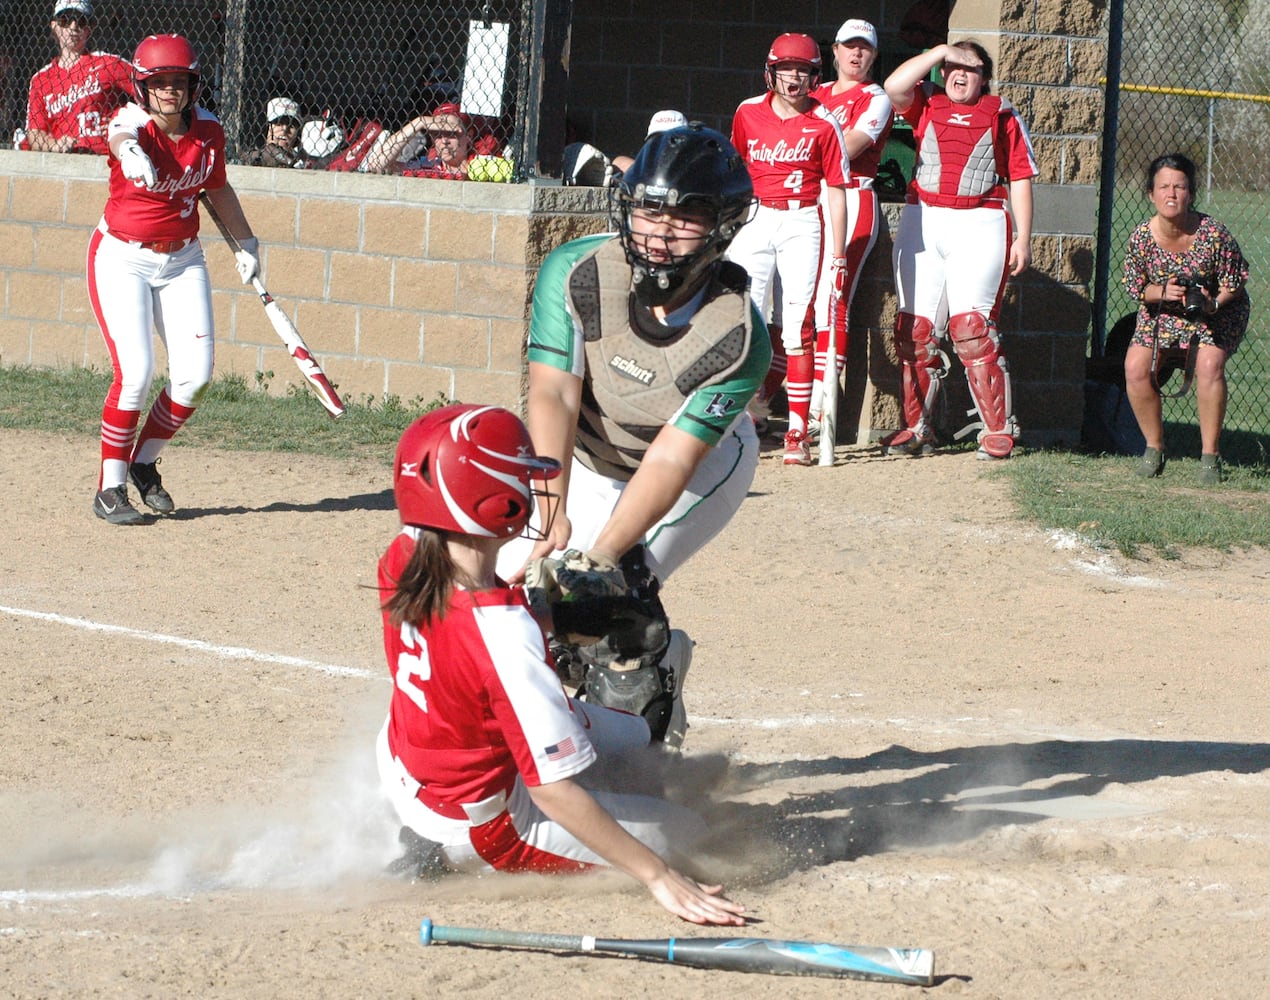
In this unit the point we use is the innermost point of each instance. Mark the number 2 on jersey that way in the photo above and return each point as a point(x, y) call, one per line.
point(412, 664)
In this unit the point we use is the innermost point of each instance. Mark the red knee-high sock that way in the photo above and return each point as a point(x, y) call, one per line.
point(165, 419)
point(798, 388)
point(118, 429)
point(776, 373)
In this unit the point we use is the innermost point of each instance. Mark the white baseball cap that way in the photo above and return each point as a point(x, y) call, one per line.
point(78, 6)
point(664, 121)
point(281, 107)
point(855, 28)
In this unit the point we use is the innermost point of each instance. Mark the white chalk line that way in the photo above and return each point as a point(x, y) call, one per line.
point(197, 645)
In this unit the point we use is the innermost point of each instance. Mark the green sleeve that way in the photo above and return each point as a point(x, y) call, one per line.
point(708, 412)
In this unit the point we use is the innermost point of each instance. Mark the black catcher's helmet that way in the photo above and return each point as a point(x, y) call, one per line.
point(688, 166)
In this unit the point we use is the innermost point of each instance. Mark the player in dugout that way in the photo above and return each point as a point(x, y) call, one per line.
point(644, 350)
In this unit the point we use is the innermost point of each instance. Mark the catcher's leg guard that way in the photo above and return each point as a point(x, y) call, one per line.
point(977, 344)
point(922, 369)
point(652, 690)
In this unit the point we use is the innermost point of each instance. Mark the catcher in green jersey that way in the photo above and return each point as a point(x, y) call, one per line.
point(643, 352)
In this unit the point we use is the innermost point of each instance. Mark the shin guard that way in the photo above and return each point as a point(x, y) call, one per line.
point(977, 343)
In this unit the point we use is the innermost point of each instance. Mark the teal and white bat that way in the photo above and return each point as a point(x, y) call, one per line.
point(911, 966)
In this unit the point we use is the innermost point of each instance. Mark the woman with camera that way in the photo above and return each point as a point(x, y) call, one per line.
point(1188, 273)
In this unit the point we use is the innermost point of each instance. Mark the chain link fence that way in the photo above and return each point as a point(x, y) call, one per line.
point(1193, 78)
point(356, 68)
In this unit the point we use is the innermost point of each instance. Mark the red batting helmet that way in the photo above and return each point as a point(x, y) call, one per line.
point(467, 469)
point(793, 48)
point(163, 54)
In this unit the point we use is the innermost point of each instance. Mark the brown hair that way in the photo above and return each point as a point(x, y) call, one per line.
point(986, 59)
point(423, 590)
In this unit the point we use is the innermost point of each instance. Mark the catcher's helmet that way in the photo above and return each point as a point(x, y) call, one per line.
point(163, 54)
point(690, 166)
point(466, 469)
point(793, 48)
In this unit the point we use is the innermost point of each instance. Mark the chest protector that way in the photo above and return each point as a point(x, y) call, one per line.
point(638, 372)
point(957, 159)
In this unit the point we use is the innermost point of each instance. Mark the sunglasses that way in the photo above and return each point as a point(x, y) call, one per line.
point(66, 20)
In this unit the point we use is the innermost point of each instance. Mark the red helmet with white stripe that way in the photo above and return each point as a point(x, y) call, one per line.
point(468, 469)
point(793, 48)
point(163, 54)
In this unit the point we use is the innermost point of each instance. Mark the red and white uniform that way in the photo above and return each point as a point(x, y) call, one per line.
point(79, 101)
point(787, 159)
point(954, 234)
point(865, 108)
point(478, 716)
point(146, 273)
point(951, 256)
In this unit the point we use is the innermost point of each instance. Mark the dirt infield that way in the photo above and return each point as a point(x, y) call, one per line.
point(915, 721)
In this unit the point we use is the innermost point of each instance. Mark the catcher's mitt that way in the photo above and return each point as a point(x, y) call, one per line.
point(598, 616)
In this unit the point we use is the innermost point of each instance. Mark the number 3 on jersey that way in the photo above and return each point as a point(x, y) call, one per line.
point(411, 664)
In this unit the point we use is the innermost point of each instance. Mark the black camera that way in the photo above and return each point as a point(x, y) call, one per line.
point(1193, 302)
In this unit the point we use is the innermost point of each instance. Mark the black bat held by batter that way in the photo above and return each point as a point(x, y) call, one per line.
point(911, 966)
point(282, 325)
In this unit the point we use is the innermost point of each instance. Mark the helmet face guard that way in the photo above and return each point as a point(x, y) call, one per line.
point(793, 48)
point(163, 54)
point(470, 470)
point(692, 168)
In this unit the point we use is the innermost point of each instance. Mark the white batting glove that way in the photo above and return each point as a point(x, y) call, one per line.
point(248, 259)
point(136, 165)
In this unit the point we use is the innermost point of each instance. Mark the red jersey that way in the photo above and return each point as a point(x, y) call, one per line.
point(788, 157)
point(867, 108)
point(475, 700)
point(186, 166)
point(966, 153)
point(79, 101)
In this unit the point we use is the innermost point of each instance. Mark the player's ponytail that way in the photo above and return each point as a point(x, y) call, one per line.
point(423, 590)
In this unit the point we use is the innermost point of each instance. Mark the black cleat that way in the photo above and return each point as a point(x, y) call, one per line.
point(114, 506)
point(149, 485)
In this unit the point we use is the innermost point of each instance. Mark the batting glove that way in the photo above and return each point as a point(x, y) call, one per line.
point(248, 257)
point(838, 269)
point(136, 165)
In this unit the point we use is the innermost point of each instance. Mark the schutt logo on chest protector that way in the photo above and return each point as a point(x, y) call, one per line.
point(631, 370)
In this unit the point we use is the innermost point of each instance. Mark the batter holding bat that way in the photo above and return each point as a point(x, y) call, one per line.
point(146, 269)
point(482, 746)
point(790, 143)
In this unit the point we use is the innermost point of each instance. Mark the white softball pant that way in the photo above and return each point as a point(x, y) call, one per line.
point(958, 252)
point(712, 496)
point(536, 840)
point(134, 292)
point(784, 243)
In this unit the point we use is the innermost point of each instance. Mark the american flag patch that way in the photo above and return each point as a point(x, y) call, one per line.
point(562, 749)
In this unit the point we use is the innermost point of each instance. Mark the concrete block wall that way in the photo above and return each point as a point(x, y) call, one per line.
point(402, 286)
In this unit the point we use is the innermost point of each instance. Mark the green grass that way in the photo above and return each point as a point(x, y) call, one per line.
point(235, 414)
point(1101, 500)
point(1097, 498)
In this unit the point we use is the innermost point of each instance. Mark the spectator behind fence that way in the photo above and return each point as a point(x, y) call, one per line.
point(438, 144)
point(72, 98)
point(1189, 275)
point(282, 137)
